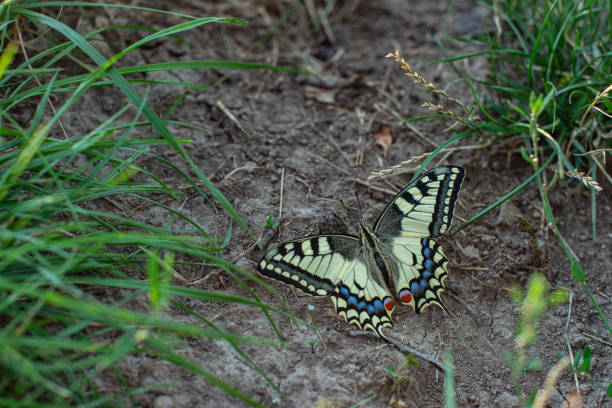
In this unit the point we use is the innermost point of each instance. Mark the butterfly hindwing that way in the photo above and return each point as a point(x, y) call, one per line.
point(363, 298)
point(419, 271)
point(425, 207)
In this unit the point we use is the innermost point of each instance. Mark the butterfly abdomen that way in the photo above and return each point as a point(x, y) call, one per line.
point(379, 259)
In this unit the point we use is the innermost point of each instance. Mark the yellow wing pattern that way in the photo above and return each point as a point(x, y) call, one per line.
point(334, 265)
point(425, 207)
point(356, 272)
point(420, 212)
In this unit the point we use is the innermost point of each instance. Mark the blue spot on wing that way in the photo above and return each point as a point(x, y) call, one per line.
point(427, 285)
point(373, 307)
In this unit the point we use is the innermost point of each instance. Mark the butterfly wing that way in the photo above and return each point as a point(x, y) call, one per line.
point(362, 297)
point(419, 270)
point(425, 207)
point(335, 265)
point(349, 270)
point(421, 211)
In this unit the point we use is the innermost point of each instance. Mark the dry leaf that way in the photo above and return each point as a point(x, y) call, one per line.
point(574, 399)
point(384, 139)
point(397, 403)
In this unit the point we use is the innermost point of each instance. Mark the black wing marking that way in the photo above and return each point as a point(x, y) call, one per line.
point(313, 265)
point(336, 265)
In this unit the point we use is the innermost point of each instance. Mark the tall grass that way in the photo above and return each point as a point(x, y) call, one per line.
point(548, 93)
point(58, 248)
point(550, 84)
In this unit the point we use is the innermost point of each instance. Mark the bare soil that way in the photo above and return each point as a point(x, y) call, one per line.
point(314, 144)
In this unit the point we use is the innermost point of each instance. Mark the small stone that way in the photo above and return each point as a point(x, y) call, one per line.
point(506, 399)
point(507, 214)
point(471, 252)
point(163, 401)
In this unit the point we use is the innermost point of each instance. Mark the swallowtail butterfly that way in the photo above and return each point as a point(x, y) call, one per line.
point(359, 272)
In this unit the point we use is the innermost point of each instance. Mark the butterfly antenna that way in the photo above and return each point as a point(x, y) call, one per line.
point(359, 205)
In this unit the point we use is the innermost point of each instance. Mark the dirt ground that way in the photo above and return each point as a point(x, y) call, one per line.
point(318, 143)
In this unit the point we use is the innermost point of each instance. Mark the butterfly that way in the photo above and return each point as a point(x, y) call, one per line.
point(359, 272)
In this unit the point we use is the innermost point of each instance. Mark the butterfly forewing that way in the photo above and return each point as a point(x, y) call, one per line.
point(425, 207)
point(335, 265)
point(313, 265)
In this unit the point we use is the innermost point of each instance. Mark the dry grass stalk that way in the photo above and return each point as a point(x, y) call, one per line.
point(587, 181)
point(544, 394)
point(420, 80)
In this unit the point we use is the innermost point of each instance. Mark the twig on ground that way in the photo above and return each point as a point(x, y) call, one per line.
point(407, 349)
point(473, 268)
point(401, 347)
point(280, 204)
point(316, 156)
point(231, 116)
point(567, 341)
point(365, 183)
point(237, 169)
point(589, 335)
point(466, 307)
point(337, 146)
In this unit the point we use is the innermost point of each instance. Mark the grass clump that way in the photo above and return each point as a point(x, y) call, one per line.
point(548, 94)
point(63, 257)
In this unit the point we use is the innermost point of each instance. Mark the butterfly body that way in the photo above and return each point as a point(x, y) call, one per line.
point(357, 272)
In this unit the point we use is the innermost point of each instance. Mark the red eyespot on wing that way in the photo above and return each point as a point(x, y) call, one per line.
point(389, 304)
point(405, 296)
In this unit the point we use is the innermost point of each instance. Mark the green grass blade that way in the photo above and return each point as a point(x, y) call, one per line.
point(504, 198)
